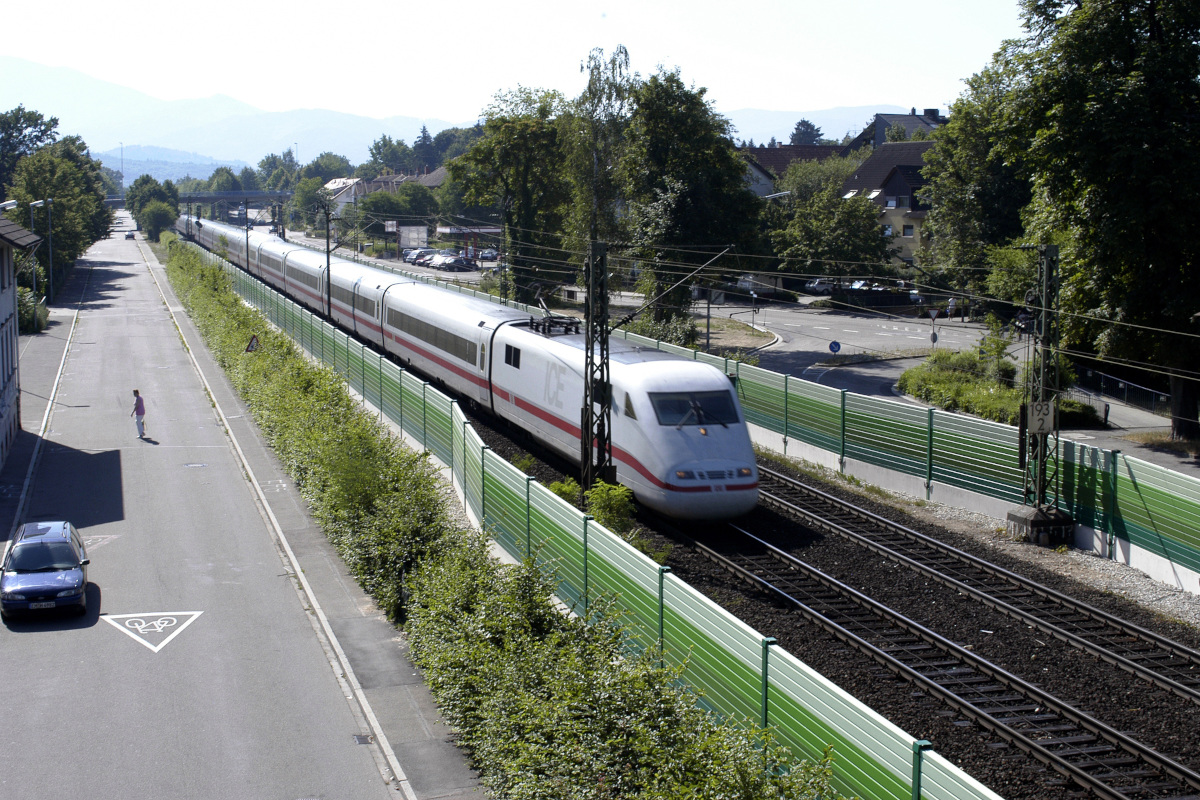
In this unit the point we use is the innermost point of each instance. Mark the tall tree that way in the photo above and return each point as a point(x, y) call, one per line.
point(684, 183)
point(65, 173)
point(516, 166)
point(1113, 103)
point(328, 166)
point(805, 133)
point(21, 133)
point(425, 156)
point(223, 180)
point(978, 180)
point(593, 130)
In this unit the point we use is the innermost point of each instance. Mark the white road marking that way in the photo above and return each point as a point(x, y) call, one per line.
point(138, 626)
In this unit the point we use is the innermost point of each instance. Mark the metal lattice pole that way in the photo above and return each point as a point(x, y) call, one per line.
point(596, 424)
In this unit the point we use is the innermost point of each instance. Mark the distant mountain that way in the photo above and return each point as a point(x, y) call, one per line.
point(106, 114)
point(228, 131)
point(162, 163)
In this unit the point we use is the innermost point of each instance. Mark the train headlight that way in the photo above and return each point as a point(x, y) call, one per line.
point(745, 472)
point(685, 474)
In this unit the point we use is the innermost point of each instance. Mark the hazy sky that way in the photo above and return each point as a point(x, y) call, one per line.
point(447, 59)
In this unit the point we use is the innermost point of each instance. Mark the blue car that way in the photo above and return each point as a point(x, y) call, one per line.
point(46, 568)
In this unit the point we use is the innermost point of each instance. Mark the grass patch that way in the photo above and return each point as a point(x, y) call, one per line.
point(1162, 440)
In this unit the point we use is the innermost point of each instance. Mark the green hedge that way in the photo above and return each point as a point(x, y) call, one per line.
point(548, 705)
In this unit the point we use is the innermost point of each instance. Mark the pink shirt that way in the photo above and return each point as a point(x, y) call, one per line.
point(139, 406)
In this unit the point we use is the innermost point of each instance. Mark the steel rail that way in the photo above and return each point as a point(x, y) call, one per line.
point(989, 595)
point(1039, 703)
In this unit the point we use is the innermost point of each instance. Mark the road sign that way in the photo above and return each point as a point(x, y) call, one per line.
point(933, 337)
point(834, 347)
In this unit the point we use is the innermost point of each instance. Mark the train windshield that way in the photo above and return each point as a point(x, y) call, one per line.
point(694, 408)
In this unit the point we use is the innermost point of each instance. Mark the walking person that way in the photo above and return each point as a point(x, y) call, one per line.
point(139, 413)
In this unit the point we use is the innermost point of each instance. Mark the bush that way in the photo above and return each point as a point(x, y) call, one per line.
point(32, 316)
point(611, 506)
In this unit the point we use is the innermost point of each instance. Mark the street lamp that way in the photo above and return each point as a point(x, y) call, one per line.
point(49, 204)
point(8, 204)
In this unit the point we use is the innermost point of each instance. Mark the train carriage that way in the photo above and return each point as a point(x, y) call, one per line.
point(680, 440)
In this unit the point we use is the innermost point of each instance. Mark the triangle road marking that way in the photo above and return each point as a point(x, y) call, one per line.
point(140, 627)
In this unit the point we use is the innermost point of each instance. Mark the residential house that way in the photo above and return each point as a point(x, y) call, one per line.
point(890, 178)
point(13, 238)
point(766, 165)
point(346, 191)
point(875, 133)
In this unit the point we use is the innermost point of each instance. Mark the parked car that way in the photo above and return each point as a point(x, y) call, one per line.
point(130, 235)
point(46, 568)
point(459, 264)
point(819, 286)
point(417, 252)
point(488, 255)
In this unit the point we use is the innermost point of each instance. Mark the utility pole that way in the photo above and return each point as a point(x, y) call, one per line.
point(1040, 520)
point(596, 423)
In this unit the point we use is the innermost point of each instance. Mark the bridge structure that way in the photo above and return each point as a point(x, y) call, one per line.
point(241, 200)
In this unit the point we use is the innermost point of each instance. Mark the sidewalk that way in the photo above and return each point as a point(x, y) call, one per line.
point(412, 738)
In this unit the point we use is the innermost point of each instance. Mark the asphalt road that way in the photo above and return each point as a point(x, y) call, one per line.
point(196, 672)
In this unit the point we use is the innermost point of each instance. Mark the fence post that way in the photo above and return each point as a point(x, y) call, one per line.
point(919, 747)
point(1111, 511)
point(842, 447)
point(929, 454)
point(586, 520)
point(528, 520)
point(424, 405)
point(482, 485)
point(766, 648)
point(662, 571)
point(381, 360)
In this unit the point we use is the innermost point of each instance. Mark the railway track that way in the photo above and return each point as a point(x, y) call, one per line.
point(1074, 744)
point(1140, 652)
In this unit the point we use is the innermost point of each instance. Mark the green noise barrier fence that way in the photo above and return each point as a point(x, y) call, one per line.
point(1133, 504)
point(738, 672)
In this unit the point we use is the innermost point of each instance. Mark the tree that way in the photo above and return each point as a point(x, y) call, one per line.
point(157, 217)
point(684, 184)
point(593, 127)
point(410, 204)
point(21, 133)
point(832, 236)
point(223, 180)
point(328, 166)
point(424, 154)
point(978, 180)
point(388, 156)
point(1110, 96)
point(143, 191)
point(805, 133)
point(249, 179)
point(64, 173)
point(307, 200)
point(516, 167)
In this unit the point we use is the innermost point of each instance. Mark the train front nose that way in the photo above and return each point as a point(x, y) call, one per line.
point(712, 489)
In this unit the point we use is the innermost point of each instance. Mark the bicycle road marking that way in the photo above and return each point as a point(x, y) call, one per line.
point(144, 627)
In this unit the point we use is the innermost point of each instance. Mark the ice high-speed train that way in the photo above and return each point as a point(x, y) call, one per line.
point(679, 438)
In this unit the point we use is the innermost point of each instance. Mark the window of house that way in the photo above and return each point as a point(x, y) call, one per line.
point(887, 230)
point(850, 194)
point(902, 201)
point(512, 356)
point(908, 231)
point(874, 193)
point(891, 202)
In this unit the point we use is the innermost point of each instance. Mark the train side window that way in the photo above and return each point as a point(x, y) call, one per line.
point(512, 356)
point(629, 412)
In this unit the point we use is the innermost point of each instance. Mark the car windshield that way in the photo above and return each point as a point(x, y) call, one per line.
point(694, 408)
point(42, 557)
